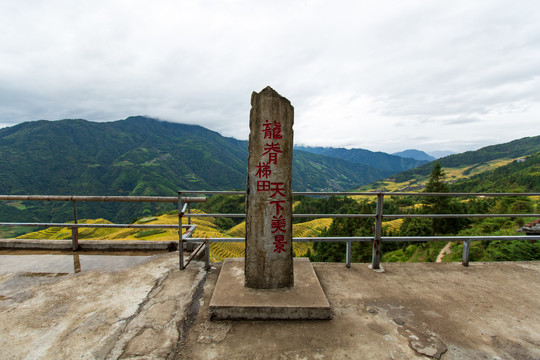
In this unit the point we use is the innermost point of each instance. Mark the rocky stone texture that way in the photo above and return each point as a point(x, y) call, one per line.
point(269, 197)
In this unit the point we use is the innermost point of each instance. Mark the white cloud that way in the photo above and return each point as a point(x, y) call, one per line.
point(387, 76)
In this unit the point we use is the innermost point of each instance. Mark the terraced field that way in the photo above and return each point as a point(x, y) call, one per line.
point(206, 228)
point(64, 233)
point(392, 225)
point(220, 251)
point(452, 174)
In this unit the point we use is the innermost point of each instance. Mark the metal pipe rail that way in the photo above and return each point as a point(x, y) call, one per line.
point(377, 239)
point(183, 204)
point(349, 240)
point(167, 199)
point(363, 193)
point(390, 216)
point(384, 238)
point(79, 225)
point(184, 210)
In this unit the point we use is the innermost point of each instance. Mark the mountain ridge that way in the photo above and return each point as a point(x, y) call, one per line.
point(415, 154)
point(511, 150)
point(388, 163)
point(143, 156)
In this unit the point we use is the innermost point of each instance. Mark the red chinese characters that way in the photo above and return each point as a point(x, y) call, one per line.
point(279, 244)
point(263, 170)
point(278, 205)
point(272, 150)
point(278, 224)
point(275, 189)
point(272, 131)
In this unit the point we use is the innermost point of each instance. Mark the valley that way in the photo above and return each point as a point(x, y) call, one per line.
point(144, 156)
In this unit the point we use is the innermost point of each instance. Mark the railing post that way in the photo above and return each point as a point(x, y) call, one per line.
point(207, 254)
point(377, 241)
point(180, 237)
point(348, 254)
point(189, 213)
point(75, 230)
point(466, 252)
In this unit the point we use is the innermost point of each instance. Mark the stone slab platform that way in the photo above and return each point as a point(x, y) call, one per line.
point(231, 300)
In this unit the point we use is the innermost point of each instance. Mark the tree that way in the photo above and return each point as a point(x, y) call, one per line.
point(437, 185)
point(437, 204)
point(442, 204)
point(416, 227)
point(335, 251)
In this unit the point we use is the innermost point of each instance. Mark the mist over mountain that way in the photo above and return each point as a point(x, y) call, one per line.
point(144, 156)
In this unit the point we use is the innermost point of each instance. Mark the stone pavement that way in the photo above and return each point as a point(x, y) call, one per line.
point(154, 311)
point(138, 313)
point(412, 311)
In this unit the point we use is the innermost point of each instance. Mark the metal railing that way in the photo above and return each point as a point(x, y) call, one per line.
point(186, 238)
point(377, 239)
point(183, 204)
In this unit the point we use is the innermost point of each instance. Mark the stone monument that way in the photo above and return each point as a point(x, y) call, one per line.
point(265, 285)
point(268, 259)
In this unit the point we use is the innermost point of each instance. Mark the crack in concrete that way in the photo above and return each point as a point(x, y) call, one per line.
point(190, 311)
point(423, 342)
point(128, 320)
point(420, 338)
point(162, 319)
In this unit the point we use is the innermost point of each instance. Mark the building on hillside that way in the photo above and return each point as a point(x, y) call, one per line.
point(531, 228)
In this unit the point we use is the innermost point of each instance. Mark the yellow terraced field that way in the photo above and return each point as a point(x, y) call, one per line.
point(220, 251)
point(392, 225)
point(205, 229)
point(452, 174)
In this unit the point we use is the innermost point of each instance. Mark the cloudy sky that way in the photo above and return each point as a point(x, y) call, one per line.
point(380, 75)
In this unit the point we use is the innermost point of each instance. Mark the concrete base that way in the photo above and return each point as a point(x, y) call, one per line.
point(231, 300)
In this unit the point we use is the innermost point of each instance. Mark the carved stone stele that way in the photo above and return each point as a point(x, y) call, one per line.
point(268, 257)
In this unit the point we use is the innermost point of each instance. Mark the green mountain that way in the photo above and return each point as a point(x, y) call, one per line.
point(475, 159)
point(312, 172)
point(389, 164)
point(138, 156)
point(521, 175)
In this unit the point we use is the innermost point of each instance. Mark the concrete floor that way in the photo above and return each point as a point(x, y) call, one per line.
point(154, 311)
point(135, 313)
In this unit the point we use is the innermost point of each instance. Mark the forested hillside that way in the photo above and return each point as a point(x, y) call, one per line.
point(138, 156)
point(495, 250)
point(521, 175)
point(389, 164)
point(142, 156)
point(511, 150)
